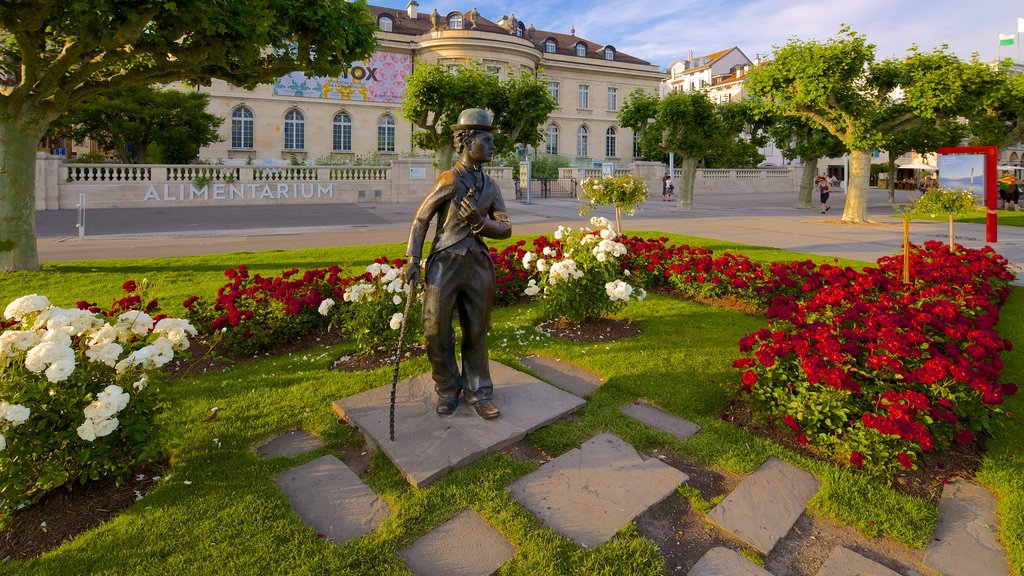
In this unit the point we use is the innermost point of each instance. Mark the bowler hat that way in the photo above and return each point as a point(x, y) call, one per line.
point(474, 119)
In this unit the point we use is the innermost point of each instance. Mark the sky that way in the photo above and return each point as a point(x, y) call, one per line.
point(661, 31)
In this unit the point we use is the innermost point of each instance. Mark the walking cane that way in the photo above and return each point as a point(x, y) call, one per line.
point(398, 359)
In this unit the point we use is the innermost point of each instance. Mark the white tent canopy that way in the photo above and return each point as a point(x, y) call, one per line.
point(917, 166)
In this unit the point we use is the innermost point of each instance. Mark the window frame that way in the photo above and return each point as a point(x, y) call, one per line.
point(582, 141)
point(580, 50)
point(294, 130)
point(390, 27)
point(613, 98)
point(550, 46)
point(244, 127)
point(551, 140)
point(386, 133)
point(611, 143)
point(344, 126)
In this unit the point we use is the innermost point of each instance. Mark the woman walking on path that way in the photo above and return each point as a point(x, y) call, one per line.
point(821, 183)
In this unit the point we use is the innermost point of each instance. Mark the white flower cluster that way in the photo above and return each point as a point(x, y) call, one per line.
point(532, 289)
point(396, 320)
point(325, 306)
point(15, 415)
point(176, 330)
point(26, 306)
point(99, 415)
point(563, 271)
point(155, 355)
point(619, 290)
point(388, 277)
point(606, 248)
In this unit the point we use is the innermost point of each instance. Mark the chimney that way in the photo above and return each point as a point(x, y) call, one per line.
point(690, 57)
point(411, 8)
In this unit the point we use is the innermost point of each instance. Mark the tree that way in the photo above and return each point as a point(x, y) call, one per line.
point(838, 85)
point(437, 93)
point(799, 138)
point(686, 123)
point(129, 119)
point(999, 121)
point(923, 137)
point(56, 54)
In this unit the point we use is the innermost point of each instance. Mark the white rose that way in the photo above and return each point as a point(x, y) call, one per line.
point(55, 337)
point(141, 383)
point(133, 323)
point(325, 306)
point(396, 321)
point(16, 414)
point(48, 354)
point(397, 300)
point(105, 353)
point(25, 305)
point(105, 335)
point(532, 289)
point(542, 265)
point(13, 340)
point(3, 443)
point(374, 269)
point(527, 258)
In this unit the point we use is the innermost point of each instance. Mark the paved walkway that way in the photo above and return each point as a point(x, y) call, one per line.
point(748, 218)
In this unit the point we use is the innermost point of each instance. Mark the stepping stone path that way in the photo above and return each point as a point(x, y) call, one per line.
point(290, 444)
point(845, 562)
point(764, 507)
point(462, 546)
point(658, 418)
point(564, 375)
point(965, 542)
point(726, 562)
point(428, 446)
point(332, 499)
point(589, 493)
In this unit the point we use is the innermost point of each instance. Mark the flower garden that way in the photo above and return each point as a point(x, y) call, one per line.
point(871, 374)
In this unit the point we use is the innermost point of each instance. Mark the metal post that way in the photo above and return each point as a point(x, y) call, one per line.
point(81, 215)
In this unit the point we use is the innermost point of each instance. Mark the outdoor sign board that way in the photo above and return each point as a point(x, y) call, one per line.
point(381, 78)
point(972, 168)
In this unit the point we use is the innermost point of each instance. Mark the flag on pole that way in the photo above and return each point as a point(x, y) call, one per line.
point(1006, 39)
point(1020, 25)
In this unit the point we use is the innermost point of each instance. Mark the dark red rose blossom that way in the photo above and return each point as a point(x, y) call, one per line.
point(856, 458)
point(129, 286)
point(904, 459)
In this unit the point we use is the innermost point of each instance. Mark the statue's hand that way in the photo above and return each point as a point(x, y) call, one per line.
point(412, 272)
point(469, 212)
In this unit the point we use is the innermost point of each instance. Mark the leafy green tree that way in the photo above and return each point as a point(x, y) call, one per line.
point(56, 54)
point(923, 137)
point(999, 121)
point(129, 119)
point(800, 139)
point(686, 123)
point(838, 85)
point(437, 93)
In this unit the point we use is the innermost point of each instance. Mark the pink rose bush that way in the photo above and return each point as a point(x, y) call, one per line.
point(79, 390)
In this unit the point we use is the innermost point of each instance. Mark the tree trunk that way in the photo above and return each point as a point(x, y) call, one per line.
point(890, 169)
point(856, 208)
point(443, 157)
point(18, 196)
point(805, 195)
point(688, 176)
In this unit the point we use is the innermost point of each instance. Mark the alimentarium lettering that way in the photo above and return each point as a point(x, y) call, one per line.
point(238, 191)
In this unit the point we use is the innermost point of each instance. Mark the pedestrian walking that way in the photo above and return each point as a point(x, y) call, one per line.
point(821, 183)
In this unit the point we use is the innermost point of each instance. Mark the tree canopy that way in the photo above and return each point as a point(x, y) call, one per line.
point(799, 138)
point(129, 120)
point(691, 126)
point(838, 85)
point(55, 54)
point(999, 121)
point(437, 93)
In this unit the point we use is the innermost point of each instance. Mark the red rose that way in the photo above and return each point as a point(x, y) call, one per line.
point(801, 439)
point(904, 459)
point(856, 458)
point(964, 437)
point(129, 286)
point(749, 378)
point(791, 422)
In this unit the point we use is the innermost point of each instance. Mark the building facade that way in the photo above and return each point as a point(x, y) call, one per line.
point(358, 113)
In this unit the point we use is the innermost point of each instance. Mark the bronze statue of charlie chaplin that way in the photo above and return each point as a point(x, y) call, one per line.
point(459, 274)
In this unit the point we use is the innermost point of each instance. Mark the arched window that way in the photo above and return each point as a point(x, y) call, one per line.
point(386, 24)
point(609, 143)
point(242, 122)
point(581, 141)
point(342, 139)
point(455, 21)
point(552, 140)
point(294, 130)
point(520, 29)
point(550, 46)
point(581, 49)
point(386, 134)
point(609, 53)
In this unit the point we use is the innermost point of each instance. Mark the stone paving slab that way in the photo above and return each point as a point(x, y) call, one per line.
point(589, 493)
point(725, 562)
point(845, 562)
point(766, 504)
point(562, 374)
point(965, 542)
point(332, 500)
point(289, 445)
point(428, 446)
point(466, 545)
point(658, 418)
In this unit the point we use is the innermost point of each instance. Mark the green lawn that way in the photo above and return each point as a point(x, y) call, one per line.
point(1005, 218)
point(218, 511)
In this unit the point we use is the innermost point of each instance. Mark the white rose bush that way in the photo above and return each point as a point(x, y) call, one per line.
point(79, 391)
point(375, 307)
point(579, 276)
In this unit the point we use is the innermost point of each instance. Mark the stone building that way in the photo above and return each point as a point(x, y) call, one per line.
point(359, 112)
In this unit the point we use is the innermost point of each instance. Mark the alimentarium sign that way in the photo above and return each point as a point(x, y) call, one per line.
point(382, 78)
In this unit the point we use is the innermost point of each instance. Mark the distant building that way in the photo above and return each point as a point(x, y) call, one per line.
point(359, 112)
point(722, 75)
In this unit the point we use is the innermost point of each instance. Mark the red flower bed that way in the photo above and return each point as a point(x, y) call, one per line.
point(876, 371)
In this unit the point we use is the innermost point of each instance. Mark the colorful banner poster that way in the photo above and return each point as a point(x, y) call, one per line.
point(963, 172)
point(379, 79)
